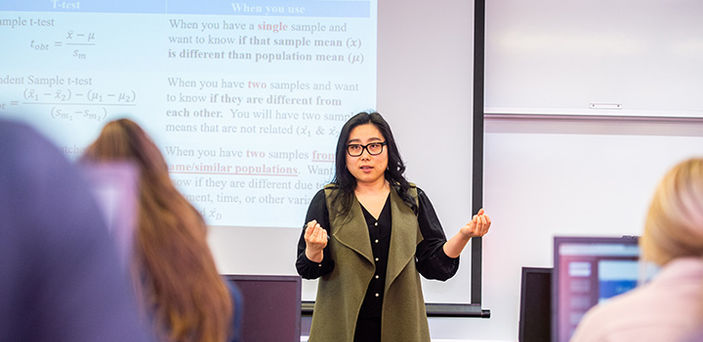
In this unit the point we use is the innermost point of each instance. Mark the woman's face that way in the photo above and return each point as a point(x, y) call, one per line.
point(367, 168)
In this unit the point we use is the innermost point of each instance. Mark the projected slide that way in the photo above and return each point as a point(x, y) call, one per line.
point(244, 98)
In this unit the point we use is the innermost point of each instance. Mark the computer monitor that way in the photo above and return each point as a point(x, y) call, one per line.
point(535, 304)
point(271, 307)
point(588, 271)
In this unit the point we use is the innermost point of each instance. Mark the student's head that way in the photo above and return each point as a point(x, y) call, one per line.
point(363, 129)
point(674, 225)
point(123, 139)
point(176, 273)
point(60, 278)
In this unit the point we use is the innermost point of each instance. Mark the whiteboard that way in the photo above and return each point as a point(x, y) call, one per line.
point(595, 57)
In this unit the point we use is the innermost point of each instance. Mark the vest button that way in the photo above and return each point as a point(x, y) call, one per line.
point(376, 241)
point(377, 276)
point(375, 224)
point(376, 259)
point(377, 294)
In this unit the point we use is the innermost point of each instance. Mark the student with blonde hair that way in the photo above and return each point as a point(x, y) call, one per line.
point(670, 307)
point(174, 271)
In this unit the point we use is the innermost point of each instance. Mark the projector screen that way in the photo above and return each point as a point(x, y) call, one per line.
point(243, 103)
point(245, 99)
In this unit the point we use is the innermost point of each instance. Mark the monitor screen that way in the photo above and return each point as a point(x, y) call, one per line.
point(588, 271)
point(271, 308)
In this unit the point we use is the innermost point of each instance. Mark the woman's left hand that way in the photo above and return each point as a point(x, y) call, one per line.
point(478, 226)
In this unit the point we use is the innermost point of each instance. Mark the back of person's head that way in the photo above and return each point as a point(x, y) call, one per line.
point(175, 271)
point(60, 278)
point(674, 225)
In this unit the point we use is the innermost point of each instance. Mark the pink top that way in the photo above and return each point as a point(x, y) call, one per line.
point(669, 308)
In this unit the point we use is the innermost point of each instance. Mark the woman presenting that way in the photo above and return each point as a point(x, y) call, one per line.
point(368, 235)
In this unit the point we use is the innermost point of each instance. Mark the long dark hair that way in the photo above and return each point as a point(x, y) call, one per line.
point(345, 181)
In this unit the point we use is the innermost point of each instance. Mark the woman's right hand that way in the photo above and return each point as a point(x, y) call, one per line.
point(315, 241)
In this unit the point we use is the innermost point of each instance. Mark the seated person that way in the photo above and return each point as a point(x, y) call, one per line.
point(173, 268)
point(670, 307)
point(60, 279)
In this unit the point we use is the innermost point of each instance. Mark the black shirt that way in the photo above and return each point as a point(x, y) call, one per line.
point(430, 259)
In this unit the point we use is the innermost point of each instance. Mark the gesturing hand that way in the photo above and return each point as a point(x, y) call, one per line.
point(315, 241)
point(478, 226)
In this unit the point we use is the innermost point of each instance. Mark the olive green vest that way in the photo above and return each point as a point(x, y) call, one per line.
point(341, 292)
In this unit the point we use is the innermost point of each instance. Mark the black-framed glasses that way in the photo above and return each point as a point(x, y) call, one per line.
point(374, 148)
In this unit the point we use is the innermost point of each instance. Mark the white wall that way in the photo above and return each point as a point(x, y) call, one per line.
point(546, 177)
point(549, 176)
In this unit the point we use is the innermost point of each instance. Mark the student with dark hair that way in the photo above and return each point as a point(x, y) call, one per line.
point(60, 279)
point(368, 236)
point(173, 268)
